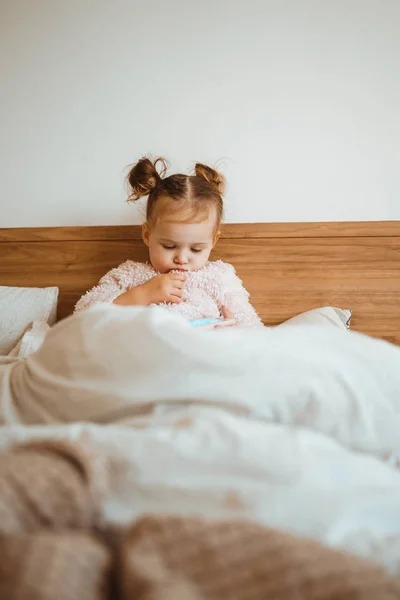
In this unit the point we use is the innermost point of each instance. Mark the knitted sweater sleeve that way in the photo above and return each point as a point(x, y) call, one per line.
point(111, 285)
point(236, 298)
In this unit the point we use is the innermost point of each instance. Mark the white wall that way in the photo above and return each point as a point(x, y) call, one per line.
point(300, 98)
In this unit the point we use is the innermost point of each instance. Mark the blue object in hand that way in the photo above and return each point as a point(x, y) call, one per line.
point(209, 321)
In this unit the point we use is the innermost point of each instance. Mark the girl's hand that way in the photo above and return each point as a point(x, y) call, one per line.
point(226, 313)
point(162, 288)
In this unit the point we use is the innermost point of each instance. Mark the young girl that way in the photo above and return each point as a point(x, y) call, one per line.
point(183, 218)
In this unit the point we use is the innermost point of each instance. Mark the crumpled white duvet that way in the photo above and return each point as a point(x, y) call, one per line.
point(297, 427)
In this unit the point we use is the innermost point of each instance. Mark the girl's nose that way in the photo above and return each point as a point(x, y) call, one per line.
point(181, 259)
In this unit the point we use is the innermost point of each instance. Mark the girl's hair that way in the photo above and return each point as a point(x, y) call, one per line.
point(199, 192)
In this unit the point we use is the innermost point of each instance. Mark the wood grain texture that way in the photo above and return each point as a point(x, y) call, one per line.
point(287, 268)
point(58, 234)
point(229, 231)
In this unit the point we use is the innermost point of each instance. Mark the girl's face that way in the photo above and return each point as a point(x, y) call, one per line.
point(180, 246)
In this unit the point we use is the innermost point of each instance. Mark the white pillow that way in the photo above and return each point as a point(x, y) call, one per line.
point(327, 315)
point(31, 340)
point(19, 308)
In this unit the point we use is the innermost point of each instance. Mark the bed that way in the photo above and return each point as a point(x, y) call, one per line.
point(294, 429)
point(289, 268)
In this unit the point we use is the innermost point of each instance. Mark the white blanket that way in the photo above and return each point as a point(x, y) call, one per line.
point(291, 427)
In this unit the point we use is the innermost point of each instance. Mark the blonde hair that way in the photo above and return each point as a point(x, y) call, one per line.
point(199, 192)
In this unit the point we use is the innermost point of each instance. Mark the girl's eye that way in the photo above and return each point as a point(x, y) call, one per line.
point(168, 247)
point(196, 250)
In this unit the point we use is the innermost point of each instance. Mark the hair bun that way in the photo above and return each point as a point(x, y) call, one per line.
point(144, 177)
point(214, 178)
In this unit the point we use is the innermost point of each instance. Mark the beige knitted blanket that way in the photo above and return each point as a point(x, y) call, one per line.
point(53, 546)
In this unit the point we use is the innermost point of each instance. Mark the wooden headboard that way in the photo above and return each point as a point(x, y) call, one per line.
point(288, 268)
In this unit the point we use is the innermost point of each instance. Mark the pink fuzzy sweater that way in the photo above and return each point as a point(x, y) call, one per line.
point(205, 291)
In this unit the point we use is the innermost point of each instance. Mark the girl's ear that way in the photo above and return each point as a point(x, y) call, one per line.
point(216, 238)
point(145, 233)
